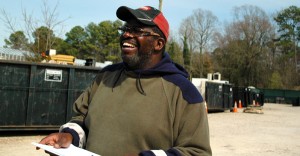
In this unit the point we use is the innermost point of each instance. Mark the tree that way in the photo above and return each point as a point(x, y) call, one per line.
point(17, 40)
point(203, 22)
point(174, 51)
point(243, 49)
point(62, 47)
point(103, 40)
point(77, 38)
point(206, 64)
point(199, 28)
point(187, 36)
point(275, 81)
point(49, 22)
point(186, 53)
point(41, 37)
point(110, 40)
point(95, 41)
point(288, 21)
point(227, 59)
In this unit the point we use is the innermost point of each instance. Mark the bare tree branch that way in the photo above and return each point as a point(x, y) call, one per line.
point(8, 21)
point(50, 20)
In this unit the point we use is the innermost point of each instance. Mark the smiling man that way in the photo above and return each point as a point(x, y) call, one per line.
point(143, 106)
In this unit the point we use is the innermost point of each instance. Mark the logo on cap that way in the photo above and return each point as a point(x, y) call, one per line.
point(146, 8)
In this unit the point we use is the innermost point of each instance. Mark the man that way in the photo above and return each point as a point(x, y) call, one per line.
point(143, 106)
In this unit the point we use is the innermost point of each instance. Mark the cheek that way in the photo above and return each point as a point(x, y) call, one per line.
point(146, 49)
point(146, 46)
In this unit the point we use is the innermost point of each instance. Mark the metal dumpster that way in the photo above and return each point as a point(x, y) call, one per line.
point(39, 96)
point(218, 96)
point(247, 95)
point(239, 94)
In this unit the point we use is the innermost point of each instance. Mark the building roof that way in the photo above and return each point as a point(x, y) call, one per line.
point(16, 52)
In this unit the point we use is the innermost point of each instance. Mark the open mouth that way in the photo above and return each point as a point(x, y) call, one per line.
point(128, 45)
point(128, 48)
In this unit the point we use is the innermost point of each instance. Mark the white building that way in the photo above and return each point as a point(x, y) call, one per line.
point(13, 54)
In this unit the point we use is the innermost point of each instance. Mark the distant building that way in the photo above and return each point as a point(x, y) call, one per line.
point(13, 54)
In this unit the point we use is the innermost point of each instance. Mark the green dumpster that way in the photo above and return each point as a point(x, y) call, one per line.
point(40, 96)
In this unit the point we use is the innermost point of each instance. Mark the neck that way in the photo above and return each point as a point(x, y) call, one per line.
point(155, 59)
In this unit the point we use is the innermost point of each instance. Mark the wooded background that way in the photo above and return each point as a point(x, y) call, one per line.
point(254, 49)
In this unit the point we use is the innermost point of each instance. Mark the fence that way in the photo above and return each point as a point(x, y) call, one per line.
point(282, 96)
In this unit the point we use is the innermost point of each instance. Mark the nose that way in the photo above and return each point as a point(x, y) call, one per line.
point(127, 34)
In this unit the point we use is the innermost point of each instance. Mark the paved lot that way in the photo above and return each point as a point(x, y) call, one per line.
point(276, 132)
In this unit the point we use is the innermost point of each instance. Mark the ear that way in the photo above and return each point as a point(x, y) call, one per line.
point(159, 44)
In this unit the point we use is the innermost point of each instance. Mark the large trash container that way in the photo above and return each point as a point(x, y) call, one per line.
point(218, 96)
point(40, 96)
point(239, 94)
point(255, 95)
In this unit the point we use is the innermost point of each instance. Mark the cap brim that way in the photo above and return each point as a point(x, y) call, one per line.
point(124, 13)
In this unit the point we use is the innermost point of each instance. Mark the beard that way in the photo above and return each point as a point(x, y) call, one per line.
point(138, 60)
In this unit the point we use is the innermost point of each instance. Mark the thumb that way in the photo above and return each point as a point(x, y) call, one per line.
point(57, 145)
point(64, 140)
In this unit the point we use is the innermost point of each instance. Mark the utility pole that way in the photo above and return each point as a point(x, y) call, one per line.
point(160, 5)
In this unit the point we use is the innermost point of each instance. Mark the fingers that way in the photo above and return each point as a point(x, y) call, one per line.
point(58, 140)
point(65, 139)
point(50, 139)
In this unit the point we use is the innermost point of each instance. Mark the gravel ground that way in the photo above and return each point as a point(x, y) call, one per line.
point(276, 132)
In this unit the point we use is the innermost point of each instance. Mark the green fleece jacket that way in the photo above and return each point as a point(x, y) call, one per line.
point(152, 112)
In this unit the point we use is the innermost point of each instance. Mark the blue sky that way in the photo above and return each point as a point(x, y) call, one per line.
point(79, 12)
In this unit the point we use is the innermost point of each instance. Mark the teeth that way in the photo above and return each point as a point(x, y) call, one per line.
point(128, 45)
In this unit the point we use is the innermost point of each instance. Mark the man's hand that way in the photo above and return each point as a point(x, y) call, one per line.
point(57, 140)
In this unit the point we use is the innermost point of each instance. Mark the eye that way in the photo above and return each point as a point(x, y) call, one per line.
point(138, 29)
point(120, 31)
point(123, 29)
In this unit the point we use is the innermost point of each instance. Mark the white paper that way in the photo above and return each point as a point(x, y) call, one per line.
point(70, 151)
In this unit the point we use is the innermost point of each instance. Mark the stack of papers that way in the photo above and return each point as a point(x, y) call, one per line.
point(70, 151)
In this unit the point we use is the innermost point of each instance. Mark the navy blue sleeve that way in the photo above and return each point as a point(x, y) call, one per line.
point(189, 91)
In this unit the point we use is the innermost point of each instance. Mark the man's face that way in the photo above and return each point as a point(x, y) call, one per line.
point(137, 49)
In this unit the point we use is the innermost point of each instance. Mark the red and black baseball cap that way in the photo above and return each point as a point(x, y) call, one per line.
point(146, 15)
